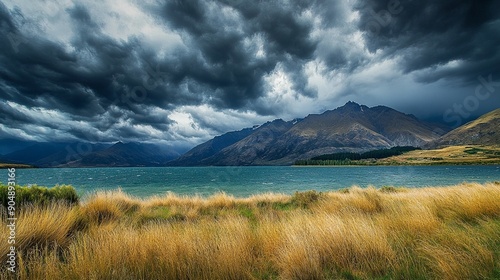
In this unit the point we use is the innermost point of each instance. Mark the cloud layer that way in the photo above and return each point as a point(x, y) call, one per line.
point(181, 72)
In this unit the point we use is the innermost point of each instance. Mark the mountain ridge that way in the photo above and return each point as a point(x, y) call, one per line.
point(349, 128)
point(125, 155)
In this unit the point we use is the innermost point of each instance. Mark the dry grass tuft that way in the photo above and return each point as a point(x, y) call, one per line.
point(108, 206)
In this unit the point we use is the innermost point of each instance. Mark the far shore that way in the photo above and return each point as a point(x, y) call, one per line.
point(451, 155)
point(15, 165)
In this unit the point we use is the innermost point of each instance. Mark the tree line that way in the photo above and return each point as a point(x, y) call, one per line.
point(352, 158)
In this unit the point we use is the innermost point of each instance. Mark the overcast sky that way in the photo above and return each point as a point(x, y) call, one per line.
point(183, 71)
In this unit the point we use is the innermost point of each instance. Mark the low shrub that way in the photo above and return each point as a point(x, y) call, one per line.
point(305, 199)
point(391, 189)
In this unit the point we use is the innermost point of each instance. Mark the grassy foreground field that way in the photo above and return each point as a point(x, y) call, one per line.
point(389, 233)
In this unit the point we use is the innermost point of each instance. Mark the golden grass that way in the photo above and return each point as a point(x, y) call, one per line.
point(426, 233)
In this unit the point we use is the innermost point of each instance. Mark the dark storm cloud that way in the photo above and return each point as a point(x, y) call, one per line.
point(285, 32)
point(6, 22)
point(217, 64)
point(9, 114)
point(226, 54)
point(83, 83)
point(217, 60)
point(37, 72)
point(430, 34)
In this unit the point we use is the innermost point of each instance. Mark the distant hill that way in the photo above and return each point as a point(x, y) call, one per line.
point(90, 155)
point(251, 149)
point(212, 147)
point(9, 145)
point(482, 131)
point(350, 128)
point(126, 154)
point(51, 154)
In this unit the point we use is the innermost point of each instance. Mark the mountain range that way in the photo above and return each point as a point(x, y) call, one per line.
point(349, 128)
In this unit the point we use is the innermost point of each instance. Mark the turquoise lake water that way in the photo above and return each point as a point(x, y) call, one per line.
point(244, 181)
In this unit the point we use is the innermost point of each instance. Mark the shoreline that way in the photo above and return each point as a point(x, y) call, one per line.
point(404, 164)
point(22, 166)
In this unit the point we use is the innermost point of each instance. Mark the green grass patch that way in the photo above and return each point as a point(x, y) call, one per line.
point(37, 195)
point(283, 206)
point(159, 214)
point(474, 150)
point(246, 212)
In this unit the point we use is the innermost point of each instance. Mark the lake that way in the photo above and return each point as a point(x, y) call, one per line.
point(244, 181)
